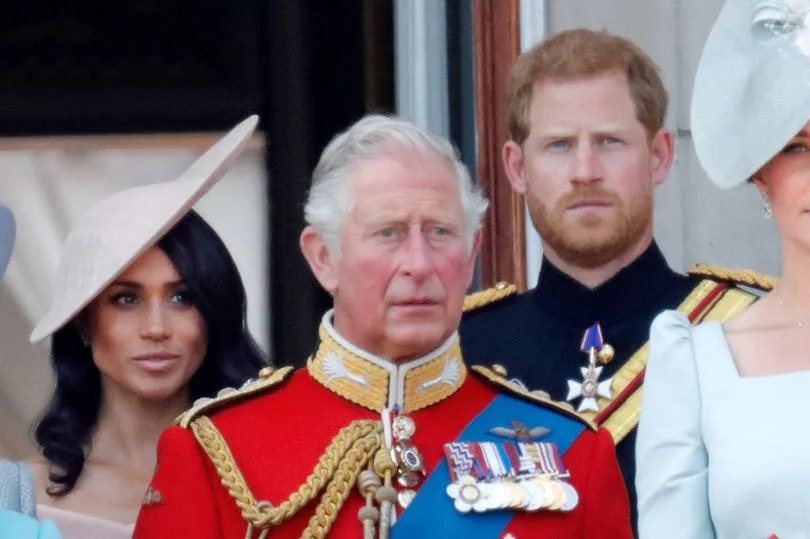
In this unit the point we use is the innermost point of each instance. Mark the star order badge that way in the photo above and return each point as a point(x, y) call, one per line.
point(590, 387)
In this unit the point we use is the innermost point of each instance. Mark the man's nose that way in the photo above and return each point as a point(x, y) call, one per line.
point(587, 167)
point(417, 261)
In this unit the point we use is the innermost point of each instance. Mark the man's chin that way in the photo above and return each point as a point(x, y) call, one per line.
point(415, 340)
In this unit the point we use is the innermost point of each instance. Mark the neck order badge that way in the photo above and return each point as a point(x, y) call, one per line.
point(590, 387)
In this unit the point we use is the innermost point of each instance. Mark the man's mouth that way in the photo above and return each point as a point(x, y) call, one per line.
point(417, 302)
point(589, 204)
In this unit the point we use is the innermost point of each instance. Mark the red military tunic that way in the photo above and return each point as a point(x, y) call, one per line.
point(277, 435)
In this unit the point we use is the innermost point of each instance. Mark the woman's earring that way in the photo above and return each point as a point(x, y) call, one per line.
point(85, 338)
point(766, 206)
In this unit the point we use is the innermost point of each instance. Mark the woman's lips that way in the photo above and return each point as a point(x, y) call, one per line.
point(156, 362)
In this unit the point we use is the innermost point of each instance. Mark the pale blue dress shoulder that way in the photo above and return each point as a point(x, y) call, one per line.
point(17, 487)
point(14, 525)
point(719, 455)
point(18, 505)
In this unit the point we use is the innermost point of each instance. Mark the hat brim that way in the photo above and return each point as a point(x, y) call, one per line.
point(76, 289)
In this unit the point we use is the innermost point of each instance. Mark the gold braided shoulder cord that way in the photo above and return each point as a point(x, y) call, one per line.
point(741, 276)
point(484, 297)
point(341, 484)
point(347, 453)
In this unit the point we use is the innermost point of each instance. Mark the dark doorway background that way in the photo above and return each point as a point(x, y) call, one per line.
point(310, 68)
point(330, 62)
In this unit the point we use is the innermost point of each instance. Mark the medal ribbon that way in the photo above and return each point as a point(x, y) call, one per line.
point(433, 505)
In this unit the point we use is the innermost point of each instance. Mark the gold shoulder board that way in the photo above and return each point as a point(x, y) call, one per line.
point(739, 276)
point(496, 376)
point(268, 378)
point(490, 295)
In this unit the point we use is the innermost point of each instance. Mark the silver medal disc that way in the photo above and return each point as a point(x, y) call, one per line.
point(536, 495)
point(571, 497)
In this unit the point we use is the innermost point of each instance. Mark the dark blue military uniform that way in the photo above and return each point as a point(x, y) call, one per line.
point(536, 335)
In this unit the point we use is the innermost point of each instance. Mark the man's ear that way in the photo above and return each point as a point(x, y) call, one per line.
point(662, 152)
point(513, 164)
point(320, 260)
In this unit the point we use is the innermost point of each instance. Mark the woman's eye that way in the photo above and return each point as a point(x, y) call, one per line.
point(124, 298)
point(182, 297)
point(796, 147)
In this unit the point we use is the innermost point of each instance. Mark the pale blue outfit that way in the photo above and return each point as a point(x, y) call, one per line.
point(719, 455)
point(17, 505)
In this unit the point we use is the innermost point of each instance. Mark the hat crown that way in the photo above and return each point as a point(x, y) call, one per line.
point(752, 87)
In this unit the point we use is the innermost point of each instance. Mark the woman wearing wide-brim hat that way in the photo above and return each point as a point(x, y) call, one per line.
point(722, 442)
point(148, 315)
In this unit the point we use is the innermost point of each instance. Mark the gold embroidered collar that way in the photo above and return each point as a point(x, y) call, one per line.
point(377, 383)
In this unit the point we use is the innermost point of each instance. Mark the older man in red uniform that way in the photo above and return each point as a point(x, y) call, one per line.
point(387, 432)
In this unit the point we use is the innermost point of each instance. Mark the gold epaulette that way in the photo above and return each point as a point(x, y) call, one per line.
point(713, 298)
point(745, 277)
point(497, 376)
point(268, 378)
point(490, 295)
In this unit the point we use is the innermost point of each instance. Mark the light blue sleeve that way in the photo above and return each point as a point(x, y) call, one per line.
point(671, 461)
point(17, 487)
point(14, 525)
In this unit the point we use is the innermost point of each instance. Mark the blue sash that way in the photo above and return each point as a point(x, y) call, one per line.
point(432, 515)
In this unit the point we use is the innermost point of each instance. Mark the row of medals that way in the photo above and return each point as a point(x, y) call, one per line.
point(531, 494)
point(534, 493)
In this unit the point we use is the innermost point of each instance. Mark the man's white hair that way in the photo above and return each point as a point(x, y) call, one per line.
point(374, 136)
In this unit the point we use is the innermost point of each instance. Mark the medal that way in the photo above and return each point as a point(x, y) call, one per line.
point(590, 387)
point(404, 453)
point(526, 476)
point(405, 497)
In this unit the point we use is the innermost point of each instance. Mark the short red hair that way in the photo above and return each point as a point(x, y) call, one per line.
point(581, 53)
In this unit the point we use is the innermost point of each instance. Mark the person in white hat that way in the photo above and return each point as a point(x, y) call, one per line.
point(7, 234)
point(148, 315)
point(16, 496)
point(722, 444)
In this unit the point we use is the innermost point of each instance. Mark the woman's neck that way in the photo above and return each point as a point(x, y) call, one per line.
point(128, 427)
point(794, 286)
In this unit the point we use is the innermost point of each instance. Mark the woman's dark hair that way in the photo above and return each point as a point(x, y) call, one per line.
point(215, 287)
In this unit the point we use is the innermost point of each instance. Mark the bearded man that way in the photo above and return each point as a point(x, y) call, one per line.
point(587, 146)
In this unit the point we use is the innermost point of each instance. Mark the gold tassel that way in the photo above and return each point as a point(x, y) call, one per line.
point(367, 483)
point(386, 495)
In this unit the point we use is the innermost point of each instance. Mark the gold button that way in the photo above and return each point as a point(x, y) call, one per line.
point(605, 354)
point(499, 369)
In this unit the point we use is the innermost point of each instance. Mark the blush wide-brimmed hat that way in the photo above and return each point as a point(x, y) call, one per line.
point(7, 230)
point(117, 230)
point(752, 88)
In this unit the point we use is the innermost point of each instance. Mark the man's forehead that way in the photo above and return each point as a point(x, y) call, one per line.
point(612, 76)
point(601, 104)
point(418, 170)
point(563, 130)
